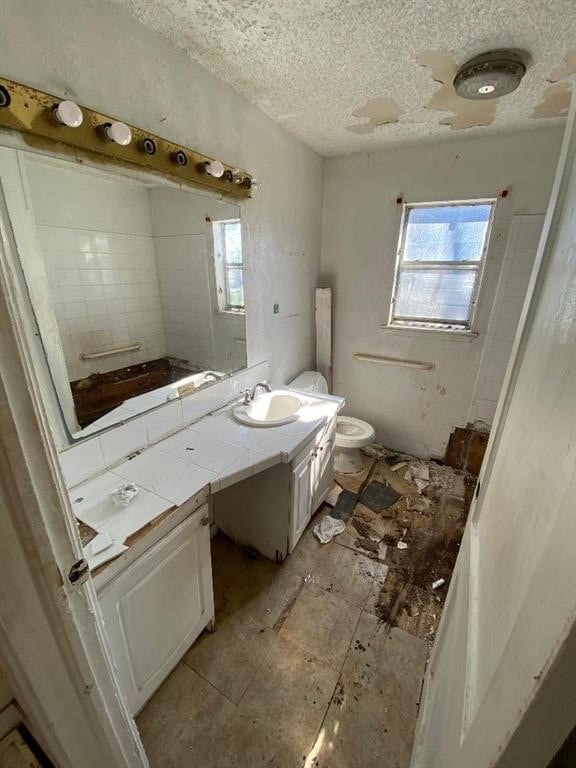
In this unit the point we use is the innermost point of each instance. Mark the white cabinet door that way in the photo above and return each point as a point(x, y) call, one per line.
point(322, 472)
point(301, 502)
point(158, 606)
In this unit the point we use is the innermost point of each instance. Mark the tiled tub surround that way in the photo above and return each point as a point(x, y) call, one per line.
point(214, 452)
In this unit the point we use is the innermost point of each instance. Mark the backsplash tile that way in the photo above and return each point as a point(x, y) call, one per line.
point(82, 461)
point(164, 420)
point(86, 459)
point(123, 440)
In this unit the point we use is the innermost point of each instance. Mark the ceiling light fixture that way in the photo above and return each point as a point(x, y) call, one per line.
point(491, 74)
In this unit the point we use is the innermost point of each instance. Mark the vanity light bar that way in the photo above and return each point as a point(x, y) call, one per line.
point(48, 122)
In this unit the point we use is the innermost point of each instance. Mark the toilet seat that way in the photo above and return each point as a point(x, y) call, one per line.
point(353, 433)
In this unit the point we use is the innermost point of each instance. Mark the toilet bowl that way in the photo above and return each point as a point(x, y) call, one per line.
point(351, 434)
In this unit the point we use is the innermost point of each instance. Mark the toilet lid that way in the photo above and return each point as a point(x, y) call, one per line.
point(353, 433)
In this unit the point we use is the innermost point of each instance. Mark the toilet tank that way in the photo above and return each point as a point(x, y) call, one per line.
point(310, 381)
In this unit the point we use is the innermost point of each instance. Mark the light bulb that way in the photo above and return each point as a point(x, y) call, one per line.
point(118, 132)
point(484, 89)
point(214, 168)
point(68, 113)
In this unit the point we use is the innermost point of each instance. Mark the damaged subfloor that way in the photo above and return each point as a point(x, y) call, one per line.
point(318, 662)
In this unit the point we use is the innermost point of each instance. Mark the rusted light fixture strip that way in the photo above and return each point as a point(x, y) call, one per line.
point(32, 112)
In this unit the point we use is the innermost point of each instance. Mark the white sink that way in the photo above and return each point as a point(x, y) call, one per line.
point(270, 410)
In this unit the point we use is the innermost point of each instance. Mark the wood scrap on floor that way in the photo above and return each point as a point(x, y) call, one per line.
point(417, 536)
point(356, 482)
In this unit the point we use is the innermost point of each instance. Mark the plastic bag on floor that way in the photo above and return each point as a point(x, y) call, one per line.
point(327, 528)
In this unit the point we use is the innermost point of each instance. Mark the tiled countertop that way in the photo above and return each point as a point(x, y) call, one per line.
point(216, 451)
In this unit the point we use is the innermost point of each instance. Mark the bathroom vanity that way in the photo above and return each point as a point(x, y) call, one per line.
point(139, 345)
point(156, 596)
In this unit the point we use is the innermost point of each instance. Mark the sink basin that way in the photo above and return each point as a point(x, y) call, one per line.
point(270, 410)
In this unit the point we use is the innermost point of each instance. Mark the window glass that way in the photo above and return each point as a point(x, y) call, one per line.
point(442, 250)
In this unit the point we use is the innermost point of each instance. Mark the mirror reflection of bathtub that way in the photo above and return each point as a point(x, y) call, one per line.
point(136, 286)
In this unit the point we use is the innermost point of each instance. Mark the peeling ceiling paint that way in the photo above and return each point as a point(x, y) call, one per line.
point(556, 98)
point(566, 69)
point(345, 76)
point(466, 113)
point(379, 111)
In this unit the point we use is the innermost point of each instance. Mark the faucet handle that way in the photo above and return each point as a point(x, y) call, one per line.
point(247, 398)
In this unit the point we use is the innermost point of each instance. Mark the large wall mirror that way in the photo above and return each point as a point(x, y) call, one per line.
point(136, 286)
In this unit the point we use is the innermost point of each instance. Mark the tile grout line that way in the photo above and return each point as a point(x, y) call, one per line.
point(211, 684)
point(338, 679)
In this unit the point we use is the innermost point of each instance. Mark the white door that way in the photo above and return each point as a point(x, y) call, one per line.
point(158, 606)
point(500, 687)
point(301, 499)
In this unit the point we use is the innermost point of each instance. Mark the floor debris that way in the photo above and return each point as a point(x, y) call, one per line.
point(417, 536)
point(333, 495)
point(328, 528)
point(344, 506)
point(378, 496)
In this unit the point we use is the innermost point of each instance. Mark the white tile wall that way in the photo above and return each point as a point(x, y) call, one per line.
point(185, 290)
point(99, 307)
point(88, 458)
point(518, 262)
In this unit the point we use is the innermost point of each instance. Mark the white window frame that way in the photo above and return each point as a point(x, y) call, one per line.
point(448, 326)
point(221, 287)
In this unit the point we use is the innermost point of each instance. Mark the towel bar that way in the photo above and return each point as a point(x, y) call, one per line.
point(108, 352)
point(419, 365)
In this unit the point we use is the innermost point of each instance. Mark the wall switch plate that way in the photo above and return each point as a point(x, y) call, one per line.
point(276, 308)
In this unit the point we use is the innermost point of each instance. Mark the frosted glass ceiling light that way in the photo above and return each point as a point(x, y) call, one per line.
point(118, 132)
point(68, 113)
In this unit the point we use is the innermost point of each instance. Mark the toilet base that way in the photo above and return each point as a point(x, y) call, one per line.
point(347, 461)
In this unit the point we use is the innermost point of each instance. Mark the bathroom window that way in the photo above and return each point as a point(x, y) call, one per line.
point(228, 266)
point(439, 268)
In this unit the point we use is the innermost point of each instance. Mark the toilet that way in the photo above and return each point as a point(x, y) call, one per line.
point(351, 434)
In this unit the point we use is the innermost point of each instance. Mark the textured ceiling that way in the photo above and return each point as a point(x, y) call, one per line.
point(331, 71)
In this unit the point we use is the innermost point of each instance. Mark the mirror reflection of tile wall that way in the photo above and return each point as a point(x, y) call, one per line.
point(128, 264)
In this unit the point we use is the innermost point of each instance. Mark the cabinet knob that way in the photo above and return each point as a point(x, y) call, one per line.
point(205, 520)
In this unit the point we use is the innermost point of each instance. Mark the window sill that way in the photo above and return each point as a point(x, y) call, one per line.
point(230, 312)
point(447, 334)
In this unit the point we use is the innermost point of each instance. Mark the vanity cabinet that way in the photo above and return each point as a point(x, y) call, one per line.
point(270, 510)
point(157, 607)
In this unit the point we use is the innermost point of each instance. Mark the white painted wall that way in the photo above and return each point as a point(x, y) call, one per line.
point(416, 410)
point(500, 690)
point(519, 256)
point(57, 45)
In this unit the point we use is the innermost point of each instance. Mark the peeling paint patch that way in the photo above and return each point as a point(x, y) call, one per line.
point(564, 70)
point(377, 112)
point(466, 113)
point(556, 98)
point(555, 102)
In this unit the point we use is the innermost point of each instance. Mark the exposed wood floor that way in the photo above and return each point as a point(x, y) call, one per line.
point(304, 669)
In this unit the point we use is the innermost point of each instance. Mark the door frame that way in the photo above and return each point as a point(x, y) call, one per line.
point(52, 639)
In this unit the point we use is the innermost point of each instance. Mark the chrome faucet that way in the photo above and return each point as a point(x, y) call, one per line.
point(249, 397)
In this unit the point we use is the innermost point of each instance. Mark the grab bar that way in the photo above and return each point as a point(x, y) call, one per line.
point(367, 358)
point(108, 352)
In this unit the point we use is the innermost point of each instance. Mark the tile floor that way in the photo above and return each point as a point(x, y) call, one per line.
point(298, 674)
